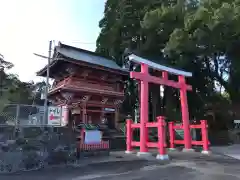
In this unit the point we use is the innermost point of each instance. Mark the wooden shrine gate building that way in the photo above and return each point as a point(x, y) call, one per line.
point(88, 85)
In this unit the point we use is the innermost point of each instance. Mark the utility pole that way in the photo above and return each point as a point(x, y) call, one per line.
point(47, 84)
point(1, 79)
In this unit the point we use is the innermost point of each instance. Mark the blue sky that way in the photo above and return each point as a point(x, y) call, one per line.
point(28, 25)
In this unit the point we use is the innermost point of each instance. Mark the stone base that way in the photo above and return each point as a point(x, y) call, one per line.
point(144, 154)
point(206, 152)
point(188, 150)
point(164, 157)
point(129, 152)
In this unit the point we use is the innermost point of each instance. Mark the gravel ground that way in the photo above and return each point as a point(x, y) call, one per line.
point(182, 166)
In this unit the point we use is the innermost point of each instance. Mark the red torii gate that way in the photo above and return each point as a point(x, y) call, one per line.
point(145, 78)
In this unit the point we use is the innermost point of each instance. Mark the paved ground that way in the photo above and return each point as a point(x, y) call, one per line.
point(232, 151)
point(182, 166)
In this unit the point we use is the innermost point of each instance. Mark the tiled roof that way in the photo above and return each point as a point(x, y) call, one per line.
point(81, 55)
point(87, 56)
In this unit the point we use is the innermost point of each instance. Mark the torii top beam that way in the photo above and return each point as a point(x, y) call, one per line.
point(156, 66)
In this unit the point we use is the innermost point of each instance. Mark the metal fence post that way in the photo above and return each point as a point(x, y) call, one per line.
point(17, 123)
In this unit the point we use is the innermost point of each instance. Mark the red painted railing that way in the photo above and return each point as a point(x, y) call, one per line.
point(77, 84)
point(203, 126)
point(160, 124)
point(89, 147)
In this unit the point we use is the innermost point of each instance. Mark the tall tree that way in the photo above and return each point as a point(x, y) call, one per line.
point(3, 79)
point(210, 36)
point(198, 36)
point(12, 90)
point(135, 25)
point(4, 64)
point(120, 27)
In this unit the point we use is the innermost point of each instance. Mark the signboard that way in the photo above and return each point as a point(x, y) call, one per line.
point(237, 124)
point(180, 133)
point(236, 121)
point(109, 109)
point(54, 116)
point(92, 137)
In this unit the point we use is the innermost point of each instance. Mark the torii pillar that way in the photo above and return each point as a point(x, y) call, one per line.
point(144, 111)
point(185, 113)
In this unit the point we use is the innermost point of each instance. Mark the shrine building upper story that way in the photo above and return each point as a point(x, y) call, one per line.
point(82, 76)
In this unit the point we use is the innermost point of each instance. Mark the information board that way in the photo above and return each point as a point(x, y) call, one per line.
point(180, 133)
point(92, 137)
point(54, 115)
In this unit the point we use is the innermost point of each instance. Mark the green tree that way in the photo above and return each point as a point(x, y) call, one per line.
point(4, 64)
point(121, 28)
point(135, 25)
point(198, 36)
point(4, 80)
point(210, 38)
point(12, 90)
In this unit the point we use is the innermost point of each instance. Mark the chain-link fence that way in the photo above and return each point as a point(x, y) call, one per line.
point(15, 117)
point(22, 115)
point(30, 115)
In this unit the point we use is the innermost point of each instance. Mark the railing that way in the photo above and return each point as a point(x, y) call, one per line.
point(144, 141)
point(79, 84)
point(204, 142)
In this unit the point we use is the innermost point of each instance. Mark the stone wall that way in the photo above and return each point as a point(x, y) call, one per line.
point(36, 148)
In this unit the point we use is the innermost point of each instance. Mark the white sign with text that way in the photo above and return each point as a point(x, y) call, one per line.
point(93, 137)
point(56, 116)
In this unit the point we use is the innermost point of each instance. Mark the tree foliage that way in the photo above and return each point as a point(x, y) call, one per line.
point(4, 64)
point(14, 91)
point(198, 36)
point(210, 37)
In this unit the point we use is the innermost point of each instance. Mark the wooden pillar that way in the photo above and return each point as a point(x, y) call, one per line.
point(102, 116)
point(84, 114)
point(116, 118)
point(65, 115)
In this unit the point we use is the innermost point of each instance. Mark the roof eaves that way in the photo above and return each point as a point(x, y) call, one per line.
point(41, 71)
point(84, 50)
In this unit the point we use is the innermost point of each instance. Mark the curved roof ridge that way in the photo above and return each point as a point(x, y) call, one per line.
point(87, 56)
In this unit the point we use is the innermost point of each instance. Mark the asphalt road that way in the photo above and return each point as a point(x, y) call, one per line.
point(181, 167)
